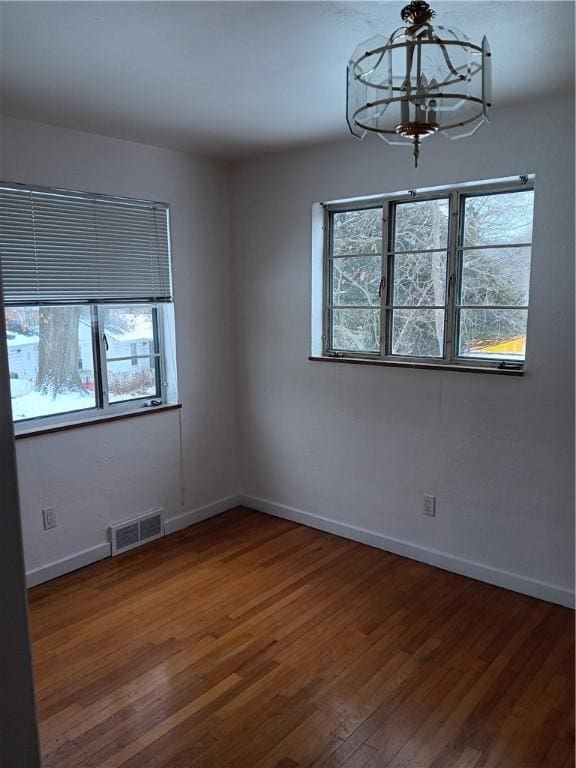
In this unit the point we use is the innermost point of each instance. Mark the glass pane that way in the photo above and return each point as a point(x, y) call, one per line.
point(357, 232)
point(51, 360)
point(129, 330)
point(356, 330)
point(419, 279)
point(418, 332)
point(130, 335)
point(499, 334)
point(130, 380)
point(422, 225)
point(355, 280)
point(498, 218)
point(496, 276)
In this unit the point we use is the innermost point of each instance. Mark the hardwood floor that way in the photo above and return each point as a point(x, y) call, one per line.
point(251, 642)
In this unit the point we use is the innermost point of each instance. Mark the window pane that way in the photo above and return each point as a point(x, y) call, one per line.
point(355, 280)
point(496, 276)
point(419, 279)
point(130, 334)
point(422, 225)
point(129, 330)
point(51, 360)
point(493, 333)
point(418, 332)
point(357, 232)
point(130, 382)
point(356, 330)
point(498, 218)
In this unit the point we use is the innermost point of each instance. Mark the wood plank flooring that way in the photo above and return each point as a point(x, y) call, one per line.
point(251, 642)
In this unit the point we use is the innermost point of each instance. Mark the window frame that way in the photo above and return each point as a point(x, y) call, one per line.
point(456, 195)
point(103, 408)
point(327, 306)
point(99, 342)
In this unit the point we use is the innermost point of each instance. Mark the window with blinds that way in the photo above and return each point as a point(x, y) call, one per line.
point(67, 248)
point(87, 289)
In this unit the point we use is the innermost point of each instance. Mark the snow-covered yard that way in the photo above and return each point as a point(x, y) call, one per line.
point(37, 404)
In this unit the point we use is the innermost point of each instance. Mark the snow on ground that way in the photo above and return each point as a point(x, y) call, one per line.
point(36, 404)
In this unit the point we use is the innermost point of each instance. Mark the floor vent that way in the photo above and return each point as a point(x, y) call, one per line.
point(139, 530)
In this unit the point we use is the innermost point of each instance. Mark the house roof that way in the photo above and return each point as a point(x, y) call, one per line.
point(142, 330)
point(20, 339)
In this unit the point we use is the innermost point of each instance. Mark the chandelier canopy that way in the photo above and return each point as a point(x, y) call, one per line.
point(422, 80)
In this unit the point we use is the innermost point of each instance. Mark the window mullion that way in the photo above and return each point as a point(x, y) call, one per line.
point(102, 369)
point(386, 293)
point(134, 357)
point(452, 284)
point(159, 357)
point(327, 299)
point(96, 355)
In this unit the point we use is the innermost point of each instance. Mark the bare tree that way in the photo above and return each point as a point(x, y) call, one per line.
point(490, 277)
point(58, 351)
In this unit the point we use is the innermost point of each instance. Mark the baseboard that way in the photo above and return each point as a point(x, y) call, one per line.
point(88, 556)
point(470, 568)
point(193, 516)
point(67, 564)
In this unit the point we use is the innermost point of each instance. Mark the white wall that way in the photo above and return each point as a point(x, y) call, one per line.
point(361, 445)
point(99, 474)
point(358, 445)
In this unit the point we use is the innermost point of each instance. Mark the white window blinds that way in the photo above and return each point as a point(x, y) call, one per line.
point(69, 248)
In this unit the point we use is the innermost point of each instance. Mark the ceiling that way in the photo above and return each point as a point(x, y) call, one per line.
point(233, 78)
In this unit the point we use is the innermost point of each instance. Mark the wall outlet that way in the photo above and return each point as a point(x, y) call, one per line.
point(49, 518)
point(429, 506)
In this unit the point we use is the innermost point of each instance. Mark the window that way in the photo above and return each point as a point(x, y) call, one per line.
point(88, 297)
point(131, 375)
point(439, 277)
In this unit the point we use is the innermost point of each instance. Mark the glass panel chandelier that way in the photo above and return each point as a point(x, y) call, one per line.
point(423, 79)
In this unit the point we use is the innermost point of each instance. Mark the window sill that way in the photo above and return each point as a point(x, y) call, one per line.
point(421, 365)
point(88, 422)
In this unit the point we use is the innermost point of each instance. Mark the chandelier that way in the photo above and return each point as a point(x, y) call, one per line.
point(422, 80)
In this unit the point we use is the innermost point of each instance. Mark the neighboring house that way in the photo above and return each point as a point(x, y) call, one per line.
point(121, 344)
point(23, 354)
point(23, 361)
point(507, 348)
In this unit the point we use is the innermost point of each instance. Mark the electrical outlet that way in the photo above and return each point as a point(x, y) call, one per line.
point(49, 518)
point(429, 506)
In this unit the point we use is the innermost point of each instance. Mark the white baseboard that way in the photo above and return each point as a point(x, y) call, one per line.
point(475, 570)
point(67, 564)
point(193, 516)
point(88, 556)
point(513, 581)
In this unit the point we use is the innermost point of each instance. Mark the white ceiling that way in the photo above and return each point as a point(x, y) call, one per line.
point(232, 78)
